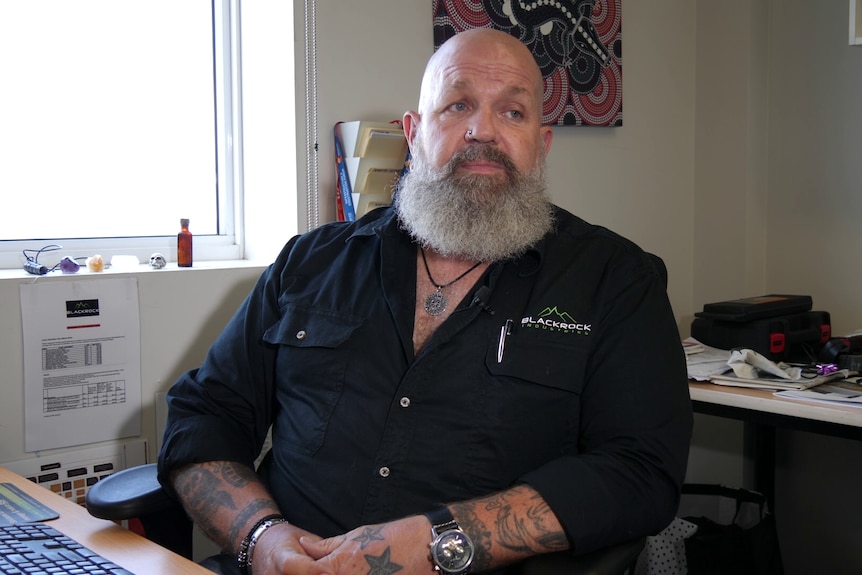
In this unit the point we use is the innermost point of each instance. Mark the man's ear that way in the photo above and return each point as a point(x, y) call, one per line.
point(410, 123)
point(547, 137)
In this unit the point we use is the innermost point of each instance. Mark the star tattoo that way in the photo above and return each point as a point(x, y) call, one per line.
point(382, 565)
point(367, 536)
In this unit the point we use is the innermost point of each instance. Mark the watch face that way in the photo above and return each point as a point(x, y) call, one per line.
point(452, 551)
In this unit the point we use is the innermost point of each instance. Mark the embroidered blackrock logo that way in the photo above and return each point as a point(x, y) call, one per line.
point(82, 308)
point(553, 319)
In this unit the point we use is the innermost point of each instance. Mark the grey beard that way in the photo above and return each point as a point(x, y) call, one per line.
point(475, 217)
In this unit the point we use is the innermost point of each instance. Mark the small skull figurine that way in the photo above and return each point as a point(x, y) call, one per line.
point(158, 261)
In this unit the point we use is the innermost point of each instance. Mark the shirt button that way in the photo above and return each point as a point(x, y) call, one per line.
point(384, 472)
point(300, 334)
point(405, 402)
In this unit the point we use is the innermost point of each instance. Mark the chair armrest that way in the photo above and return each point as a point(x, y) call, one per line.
point(614, 560)
point(129, 493)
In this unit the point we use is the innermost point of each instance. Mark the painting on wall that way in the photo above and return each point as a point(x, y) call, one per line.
point(577, 44)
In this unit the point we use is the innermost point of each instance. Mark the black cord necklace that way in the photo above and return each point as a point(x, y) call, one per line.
point(436, 302)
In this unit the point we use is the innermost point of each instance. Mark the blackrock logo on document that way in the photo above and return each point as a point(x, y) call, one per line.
point(82, 308)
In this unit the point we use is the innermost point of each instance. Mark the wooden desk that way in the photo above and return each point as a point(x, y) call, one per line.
point(120, 545)
point(761, 406)
point(763, 412)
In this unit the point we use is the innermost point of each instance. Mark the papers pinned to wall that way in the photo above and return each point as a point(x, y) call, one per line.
point(82, 362)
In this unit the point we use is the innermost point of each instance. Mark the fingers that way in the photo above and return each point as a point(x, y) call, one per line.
point(319, 548)
point(292, 561)
point(280, 551)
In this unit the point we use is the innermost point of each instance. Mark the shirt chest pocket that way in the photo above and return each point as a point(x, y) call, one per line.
point(533, 356)
point(534, 391)
point(311, 365)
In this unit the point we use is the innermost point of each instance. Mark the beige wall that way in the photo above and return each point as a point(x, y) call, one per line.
point(813, 235)
point(730, 169)
point(815, 160)
point(736, 163)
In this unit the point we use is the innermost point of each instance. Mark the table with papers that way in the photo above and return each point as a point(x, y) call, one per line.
point(765, 410)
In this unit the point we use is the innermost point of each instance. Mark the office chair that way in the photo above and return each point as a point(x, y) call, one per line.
point(137, 493)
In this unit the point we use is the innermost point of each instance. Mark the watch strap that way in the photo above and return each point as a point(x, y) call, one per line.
point(441, 520)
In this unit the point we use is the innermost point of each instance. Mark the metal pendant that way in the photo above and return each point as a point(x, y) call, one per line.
point(435, 304)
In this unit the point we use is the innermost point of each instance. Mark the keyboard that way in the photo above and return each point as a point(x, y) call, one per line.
point(38, 549)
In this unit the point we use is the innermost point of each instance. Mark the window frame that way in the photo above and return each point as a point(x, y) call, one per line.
point(227, 244)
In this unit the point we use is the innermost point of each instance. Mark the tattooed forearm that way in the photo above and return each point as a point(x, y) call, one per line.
point(547, 537)
point(199, 490)
point(526, 530)
point(237, 529)
point(521, 524)
point(211, 494)
point(201, 497)
point(478, 532)
point(237, 475)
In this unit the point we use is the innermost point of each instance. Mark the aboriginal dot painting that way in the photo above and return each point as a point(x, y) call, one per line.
point(577, 44)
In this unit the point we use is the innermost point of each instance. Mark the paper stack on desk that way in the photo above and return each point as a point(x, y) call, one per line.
point(706, 361)
point(751, 369)
point(777, 383)
point(844, 392)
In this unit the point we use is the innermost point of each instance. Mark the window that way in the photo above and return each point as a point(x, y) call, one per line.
point(119, 119)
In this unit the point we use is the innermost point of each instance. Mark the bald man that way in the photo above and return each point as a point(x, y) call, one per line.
point(469, 378)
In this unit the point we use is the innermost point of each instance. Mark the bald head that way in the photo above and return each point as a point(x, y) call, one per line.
point(478, 49)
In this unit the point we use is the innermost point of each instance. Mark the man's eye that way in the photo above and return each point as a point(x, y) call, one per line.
point(515, 114)
point(459, 107)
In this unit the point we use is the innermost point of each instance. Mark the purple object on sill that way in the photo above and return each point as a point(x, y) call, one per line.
point(69, 266)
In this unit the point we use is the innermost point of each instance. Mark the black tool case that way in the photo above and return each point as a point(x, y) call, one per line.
point(779, 327)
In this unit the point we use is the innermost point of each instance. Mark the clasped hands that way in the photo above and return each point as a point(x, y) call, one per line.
point(385, 548)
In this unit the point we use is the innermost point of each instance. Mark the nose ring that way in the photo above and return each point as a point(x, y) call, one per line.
point(469, 134)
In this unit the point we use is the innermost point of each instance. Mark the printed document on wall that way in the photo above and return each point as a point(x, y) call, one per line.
point(82, 362)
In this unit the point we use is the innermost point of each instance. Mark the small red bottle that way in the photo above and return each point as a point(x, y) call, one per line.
point(184, 245)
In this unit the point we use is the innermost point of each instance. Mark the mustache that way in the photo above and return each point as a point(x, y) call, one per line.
point(484, 152)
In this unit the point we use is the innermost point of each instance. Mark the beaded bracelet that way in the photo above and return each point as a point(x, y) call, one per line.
point(243, 558)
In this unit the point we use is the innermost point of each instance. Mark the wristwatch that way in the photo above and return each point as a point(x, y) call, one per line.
point(451, 549)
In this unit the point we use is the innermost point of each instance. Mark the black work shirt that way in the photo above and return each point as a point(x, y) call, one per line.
point(586, 400)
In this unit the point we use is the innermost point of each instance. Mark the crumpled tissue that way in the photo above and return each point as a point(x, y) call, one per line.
point(749, 364)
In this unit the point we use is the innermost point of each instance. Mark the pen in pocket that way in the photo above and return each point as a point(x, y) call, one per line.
point(505, 331)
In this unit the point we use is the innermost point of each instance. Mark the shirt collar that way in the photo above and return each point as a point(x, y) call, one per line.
point(385, 225)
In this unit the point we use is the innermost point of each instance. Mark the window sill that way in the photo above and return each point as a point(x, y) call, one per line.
point(171, 268)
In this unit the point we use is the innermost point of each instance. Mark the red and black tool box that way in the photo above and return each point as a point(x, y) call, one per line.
point(780, 327)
